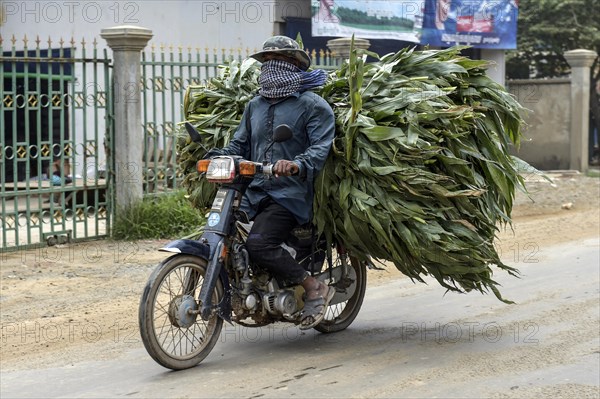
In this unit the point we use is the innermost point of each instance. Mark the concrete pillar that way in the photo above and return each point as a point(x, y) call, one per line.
point(497, 71)
point(127, 42)
point(580, 61)
point(341, 47)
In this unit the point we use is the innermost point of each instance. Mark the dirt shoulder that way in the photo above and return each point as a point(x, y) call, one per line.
point(78, 302)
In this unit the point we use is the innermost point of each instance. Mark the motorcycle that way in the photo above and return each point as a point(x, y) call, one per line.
point(211, 280)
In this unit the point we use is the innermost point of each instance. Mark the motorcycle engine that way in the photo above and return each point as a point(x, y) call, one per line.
point(281, 302)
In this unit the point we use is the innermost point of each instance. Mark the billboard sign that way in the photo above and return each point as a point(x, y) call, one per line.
point(368, 19)
point(478, 23)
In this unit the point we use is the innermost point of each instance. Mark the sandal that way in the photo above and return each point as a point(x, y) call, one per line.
point(314, 309)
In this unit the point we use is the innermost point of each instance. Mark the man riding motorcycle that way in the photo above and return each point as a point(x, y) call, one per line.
point(278, 205)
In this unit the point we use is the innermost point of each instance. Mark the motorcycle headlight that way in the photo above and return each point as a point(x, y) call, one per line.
point(221, 170)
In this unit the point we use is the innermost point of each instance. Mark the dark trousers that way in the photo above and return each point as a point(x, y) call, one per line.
point(272, 226)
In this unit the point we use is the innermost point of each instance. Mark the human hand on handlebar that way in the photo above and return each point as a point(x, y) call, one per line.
point(285, 168)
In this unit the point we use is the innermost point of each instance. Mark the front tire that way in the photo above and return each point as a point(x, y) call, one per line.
point(174, 335)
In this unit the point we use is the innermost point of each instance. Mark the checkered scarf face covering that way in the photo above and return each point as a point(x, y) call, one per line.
point(280, 79)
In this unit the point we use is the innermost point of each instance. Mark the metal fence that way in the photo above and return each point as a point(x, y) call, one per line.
point(166, 72)
point(56, 119)
point(56, 111)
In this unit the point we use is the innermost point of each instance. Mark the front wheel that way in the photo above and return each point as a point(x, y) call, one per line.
point(340, 314)
point(172, 331)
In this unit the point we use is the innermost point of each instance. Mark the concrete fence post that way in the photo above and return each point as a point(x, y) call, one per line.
point(340, 48)
point(127, 42)
point(497, 70)
point(580, 61)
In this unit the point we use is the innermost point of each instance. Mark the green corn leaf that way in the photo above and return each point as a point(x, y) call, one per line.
point(420, 173)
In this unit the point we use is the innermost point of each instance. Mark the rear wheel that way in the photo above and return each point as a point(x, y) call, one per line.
point(350, 292)
point(172, 331)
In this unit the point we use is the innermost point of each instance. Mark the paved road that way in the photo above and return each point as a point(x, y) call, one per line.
point(408, 341)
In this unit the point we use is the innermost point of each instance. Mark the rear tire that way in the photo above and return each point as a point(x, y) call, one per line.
point(174, 336)
point(339, 316)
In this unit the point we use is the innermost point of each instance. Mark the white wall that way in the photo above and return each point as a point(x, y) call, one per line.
point(220, 24)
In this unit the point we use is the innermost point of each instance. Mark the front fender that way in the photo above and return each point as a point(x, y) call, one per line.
point(188, 247)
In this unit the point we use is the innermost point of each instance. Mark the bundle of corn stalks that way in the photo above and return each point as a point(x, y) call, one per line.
point(419, 173)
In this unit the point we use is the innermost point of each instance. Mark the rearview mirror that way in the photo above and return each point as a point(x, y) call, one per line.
point(194, 135)
point(282, 133)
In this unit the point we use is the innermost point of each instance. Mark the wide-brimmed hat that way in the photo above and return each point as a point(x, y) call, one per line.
point(285, 46)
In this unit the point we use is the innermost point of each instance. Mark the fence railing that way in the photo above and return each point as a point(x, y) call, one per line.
point(57, 123)
point(56, 102)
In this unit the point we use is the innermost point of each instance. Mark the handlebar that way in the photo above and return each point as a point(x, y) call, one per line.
point(267, 170)
point(226, 168)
